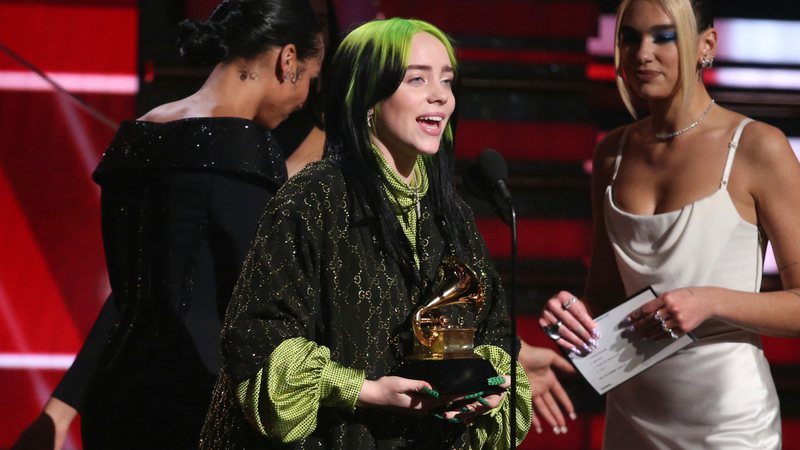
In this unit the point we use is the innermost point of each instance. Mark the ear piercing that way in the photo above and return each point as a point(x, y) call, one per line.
point(707, 62)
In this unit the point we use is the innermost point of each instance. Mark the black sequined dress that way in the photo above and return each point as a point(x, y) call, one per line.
point(180, 205)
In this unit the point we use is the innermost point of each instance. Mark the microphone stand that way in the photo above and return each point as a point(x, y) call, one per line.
point(491, 168)
point(512, 305)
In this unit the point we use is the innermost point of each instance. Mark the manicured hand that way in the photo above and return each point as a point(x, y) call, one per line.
point(566, 320)
point(468, 408)
point(401, 394)
point(672, 314)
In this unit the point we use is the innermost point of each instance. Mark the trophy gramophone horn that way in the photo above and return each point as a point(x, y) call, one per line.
point(456, 283)
point(444, 354)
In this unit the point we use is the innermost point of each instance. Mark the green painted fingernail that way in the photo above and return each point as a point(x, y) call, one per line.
point(473, 396)
point(495, 381)
point(438, 416)
point(465, 410)
point(430, 392)
point(454, 420)
point(483, 401)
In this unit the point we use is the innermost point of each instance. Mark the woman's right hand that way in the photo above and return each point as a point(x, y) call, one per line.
point(397, 393)
point(566, 320)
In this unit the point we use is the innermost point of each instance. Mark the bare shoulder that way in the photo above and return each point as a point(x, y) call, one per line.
point(609, 145)
point(769, 167)
point(605, 153)
point(763, 146)
point(164, 113)
point(177, 110)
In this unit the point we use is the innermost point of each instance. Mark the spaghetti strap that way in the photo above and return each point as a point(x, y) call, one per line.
point(620, 147)
point(732, 150)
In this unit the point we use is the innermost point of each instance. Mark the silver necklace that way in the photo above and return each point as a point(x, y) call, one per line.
point(415, 188)
point(668, 136)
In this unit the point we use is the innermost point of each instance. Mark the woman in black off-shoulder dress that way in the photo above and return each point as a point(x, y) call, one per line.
point(182, 191)
point(183, 188)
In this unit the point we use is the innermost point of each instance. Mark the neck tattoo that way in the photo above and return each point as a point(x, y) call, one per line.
point(668, 136)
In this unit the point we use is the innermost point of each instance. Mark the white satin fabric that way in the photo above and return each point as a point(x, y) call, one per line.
point(718, 392)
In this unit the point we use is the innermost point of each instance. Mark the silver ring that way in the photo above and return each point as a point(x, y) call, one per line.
point(552, 331)
point(673, 335)
point(665, 327)
point(565, 306)
point(657, 316)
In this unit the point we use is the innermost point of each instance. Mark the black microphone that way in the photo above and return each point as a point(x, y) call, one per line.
point(493, 167)
point(486, 180)
point(493, 173)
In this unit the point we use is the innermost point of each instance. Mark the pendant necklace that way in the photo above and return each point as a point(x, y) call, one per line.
point(668, 136)
point(415, 189)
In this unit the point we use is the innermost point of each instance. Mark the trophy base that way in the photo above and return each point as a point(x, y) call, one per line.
point(450, 376)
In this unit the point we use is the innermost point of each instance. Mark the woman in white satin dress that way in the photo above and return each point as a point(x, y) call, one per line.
point(685, 200)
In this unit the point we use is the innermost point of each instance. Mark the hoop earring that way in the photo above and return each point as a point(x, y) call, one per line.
point(370, 115)
point(706, 62)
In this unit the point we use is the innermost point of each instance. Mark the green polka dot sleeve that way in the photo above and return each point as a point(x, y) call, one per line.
point(492, 430)
point(300, 377)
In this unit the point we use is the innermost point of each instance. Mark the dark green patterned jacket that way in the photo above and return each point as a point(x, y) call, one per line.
point(317, 271)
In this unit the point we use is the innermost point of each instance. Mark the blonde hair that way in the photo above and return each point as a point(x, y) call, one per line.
point(683, 16)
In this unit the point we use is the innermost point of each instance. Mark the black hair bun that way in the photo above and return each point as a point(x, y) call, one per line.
point(246, 28)
point(206, 42)
point(201, 42)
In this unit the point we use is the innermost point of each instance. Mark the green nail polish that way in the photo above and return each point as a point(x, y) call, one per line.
point(465, 410)
point(430, 392)
point(473, 396)
point(495, 381)
point(483, 401)
point(454, 420)
point(438, 416)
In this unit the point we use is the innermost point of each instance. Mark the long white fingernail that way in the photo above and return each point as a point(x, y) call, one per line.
point(556, 430)
point(564, 430)
point(538, 430)
point(573, 416)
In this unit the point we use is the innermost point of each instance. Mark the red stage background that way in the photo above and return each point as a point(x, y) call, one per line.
point(52, 273)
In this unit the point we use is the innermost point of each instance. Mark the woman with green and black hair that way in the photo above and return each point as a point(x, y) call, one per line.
point(346, 252)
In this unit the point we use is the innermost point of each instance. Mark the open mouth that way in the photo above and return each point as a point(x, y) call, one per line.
point(431, 124)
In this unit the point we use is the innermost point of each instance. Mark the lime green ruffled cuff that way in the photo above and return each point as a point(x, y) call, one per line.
point(492, 430)
point(340, 385)
point(300, 377)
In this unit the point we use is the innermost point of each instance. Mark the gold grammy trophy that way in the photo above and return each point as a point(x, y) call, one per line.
point(443, 353)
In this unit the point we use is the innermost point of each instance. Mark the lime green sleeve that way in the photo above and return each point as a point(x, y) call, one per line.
point(491, 431)
point(281, 400)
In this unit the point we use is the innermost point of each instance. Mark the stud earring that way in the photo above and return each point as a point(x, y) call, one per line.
point(370, 115)
point(293, 77)
point(706, 62)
